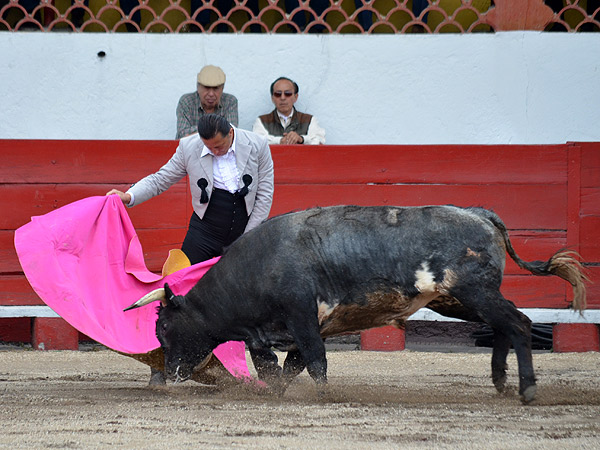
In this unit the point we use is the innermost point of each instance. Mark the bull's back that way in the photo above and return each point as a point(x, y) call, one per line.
point(358, 266)
point(353, 238)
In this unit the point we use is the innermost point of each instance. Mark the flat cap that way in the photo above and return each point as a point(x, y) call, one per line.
point(211, 76)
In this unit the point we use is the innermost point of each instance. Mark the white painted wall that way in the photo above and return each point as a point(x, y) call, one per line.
point(517, 87)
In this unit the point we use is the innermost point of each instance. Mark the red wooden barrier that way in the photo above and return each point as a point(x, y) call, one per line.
point(53, 333)
point(576, 337)
point(548, 195)
point(382, 339)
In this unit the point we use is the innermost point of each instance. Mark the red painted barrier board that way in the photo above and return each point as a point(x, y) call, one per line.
point(547, 195)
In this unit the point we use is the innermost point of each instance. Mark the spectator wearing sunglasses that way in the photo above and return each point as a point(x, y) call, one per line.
point(285, 125)
point(209, 98)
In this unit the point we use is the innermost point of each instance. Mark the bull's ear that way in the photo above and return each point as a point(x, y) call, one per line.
point(169, 294)
point(172, 299)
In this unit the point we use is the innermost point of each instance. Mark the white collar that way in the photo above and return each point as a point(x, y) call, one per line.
point(284, 117)
point(206, 150)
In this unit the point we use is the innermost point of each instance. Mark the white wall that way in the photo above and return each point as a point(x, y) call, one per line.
point(518, 87)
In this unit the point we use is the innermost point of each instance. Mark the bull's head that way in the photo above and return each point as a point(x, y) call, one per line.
point(180, 331)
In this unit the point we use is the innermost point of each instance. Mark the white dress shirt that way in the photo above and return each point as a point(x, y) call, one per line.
point(225, 172)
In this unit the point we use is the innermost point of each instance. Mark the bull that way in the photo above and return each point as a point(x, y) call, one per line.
point(304, 276)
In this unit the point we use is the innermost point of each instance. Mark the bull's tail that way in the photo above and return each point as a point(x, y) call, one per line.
point(563, 263)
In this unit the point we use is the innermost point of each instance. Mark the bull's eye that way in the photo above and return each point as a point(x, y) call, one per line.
point(161, 329)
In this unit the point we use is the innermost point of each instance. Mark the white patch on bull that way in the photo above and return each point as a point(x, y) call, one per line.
point(324, 310)
point(392, 216)
point(448, 282)
point(424, 279)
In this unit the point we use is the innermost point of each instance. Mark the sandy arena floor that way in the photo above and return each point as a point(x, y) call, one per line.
point(409, 399)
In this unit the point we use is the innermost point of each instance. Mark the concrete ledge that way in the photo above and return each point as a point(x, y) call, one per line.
point(574, 331)
point(27, 311)
point(537, 315)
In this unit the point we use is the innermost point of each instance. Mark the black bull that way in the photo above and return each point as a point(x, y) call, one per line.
point(304, 276)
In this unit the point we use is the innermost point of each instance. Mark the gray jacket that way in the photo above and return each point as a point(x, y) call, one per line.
point(253, 157)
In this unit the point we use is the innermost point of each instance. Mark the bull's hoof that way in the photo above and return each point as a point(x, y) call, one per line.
point(323, 392)
point(500, 383)
point(528, 394)
point(157, 378)
point(276, 388)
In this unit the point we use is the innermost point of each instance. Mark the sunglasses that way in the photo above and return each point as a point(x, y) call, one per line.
point(285, 94)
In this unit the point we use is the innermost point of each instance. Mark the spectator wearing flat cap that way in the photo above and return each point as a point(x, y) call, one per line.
point(209, 98)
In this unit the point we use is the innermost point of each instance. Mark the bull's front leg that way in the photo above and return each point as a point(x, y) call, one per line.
point(311, 349)
point(317, 369)
point(265, 362)
point(293, 366)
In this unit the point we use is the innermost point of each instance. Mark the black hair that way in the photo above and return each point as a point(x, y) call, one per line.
point(210, 125)
point(296, 89)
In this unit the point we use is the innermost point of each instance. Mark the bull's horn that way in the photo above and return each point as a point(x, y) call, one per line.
point(157, 294)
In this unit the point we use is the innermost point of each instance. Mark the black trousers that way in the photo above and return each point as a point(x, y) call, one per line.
point(224, 221)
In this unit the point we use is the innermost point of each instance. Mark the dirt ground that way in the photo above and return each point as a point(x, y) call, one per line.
point(408, 399)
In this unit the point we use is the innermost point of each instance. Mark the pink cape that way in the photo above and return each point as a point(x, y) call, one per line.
point(85, 262)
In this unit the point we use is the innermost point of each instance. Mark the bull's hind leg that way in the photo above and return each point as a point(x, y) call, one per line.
point(499, 354)
point(506, 320)
point(450, 307)
point(518, 330)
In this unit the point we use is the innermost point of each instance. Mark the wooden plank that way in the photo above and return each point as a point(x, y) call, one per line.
point(15, 329)
point(15, 290)
point(525, 291)
point(8, 256)
point(53, 333)
point(535, 292)
point(382, 339)
point(573, 197)
point(156, 244)
point(82, 162)
point(171, 209)
point(590, 164)
point(74, 161)
point(589, 246)
point(532, 246)
point(575, 337)
point(590, 200)
point(513, 203)
point(445, 164)
point(520, 206)
point(168, 210)
point(593, 287)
